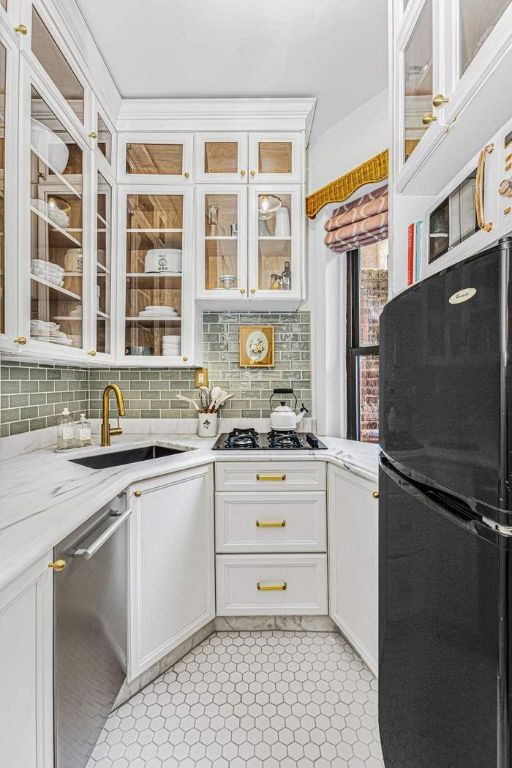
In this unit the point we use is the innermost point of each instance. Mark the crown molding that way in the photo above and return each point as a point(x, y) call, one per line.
point(234, 114)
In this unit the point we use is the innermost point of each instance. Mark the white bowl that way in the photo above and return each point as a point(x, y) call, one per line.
point(50, 147)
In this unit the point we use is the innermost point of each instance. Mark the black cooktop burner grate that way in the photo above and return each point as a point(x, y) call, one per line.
point(249, 439)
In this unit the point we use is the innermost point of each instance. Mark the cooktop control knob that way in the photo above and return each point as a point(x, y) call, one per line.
point(505, 188)
point(312, 440)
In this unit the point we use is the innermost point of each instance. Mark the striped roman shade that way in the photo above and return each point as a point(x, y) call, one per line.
point(358, 223)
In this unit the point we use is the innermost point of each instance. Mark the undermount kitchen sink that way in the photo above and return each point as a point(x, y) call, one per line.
point(114, 459)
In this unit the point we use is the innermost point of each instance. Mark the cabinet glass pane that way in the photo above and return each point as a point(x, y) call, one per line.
point(104, 139)
point(275, 157)
point(49, 55)
point(418, 85)
point(3, 82)
point(154, 159)
point(55, 230)
point(103, 263)
point(368, 379)
point(454, 220)
point(4, 4)
point(275, 269)
point(154, 275)
point(477, 20)
point(221, 241)
point(221, 157)
point(373, 290)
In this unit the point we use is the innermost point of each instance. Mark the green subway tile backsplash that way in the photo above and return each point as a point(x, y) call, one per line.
point(34, 395)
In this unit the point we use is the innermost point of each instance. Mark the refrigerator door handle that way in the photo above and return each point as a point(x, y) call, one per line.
point(504, 530)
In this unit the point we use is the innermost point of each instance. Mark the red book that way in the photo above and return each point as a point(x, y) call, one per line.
point(410, 254)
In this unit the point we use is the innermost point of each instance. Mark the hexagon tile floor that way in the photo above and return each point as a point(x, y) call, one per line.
point(251, 700)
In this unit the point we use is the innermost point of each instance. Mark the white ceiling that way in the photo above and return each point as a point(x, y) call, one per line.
point(334, 50)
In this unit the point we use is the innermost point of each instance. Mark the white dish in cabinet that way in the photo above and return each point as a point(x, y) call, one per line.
point(266, 585)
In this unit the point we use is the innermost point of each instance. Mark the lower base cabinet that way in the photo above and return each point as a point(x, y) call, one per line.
point(172, 570)
point(26, 659)
point(269, 585)
point(352, 520)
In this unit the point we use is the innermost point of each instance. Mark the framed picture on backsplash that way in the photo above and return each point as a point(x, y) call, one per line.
point(256, 346)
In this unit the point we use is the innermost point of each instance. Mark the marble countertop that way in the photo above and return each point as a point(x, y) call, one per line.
point(44, 496)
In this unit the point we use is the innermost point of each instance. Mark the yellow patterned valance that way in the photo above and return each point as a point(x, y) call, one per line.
point(373, 170)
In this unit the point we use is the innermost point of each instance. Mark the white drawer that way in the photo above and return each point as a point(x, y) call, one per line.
point(299, 585)
point(270, 522)
point(270, 476)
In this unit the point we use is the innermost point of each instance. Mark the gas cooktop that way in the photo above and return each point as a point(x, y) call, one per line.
point(250, 440)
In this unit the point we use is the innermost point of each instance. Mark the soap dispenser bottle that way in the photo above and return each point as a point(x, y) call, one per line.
point(82, 432)
point(65, 431)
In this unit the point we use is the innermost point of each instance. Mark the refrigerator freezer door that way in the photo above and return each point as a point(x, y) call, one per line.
point(441, 399)
point(441, 694)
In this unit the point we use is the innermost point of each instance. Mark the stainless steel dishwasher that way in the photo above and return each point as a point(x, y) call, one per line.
point(90, 630)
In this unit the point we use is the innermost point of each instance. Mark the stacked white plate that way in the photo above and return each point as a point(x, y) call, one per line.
point(159, 312)
point(48, 271)
point(171, 346)
point(50, 210)
point(47, 331)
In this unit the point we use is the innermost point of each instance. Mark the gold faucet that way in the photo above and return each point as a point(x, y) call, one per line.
point(106, 429)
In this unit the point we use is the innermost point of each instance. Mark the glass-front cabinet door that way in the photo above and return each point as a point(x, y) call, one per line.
point(418, 81)
point(275, 225)
point(275, 158)
point(148, 158)
point(476, 21)
point(222, 242)
point(57, 260)
point(221, 157)
point(157, 271)
point(102, 295)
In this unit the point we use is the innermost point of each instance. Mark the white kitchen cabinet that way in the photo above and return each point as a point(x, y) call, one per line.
point(172, 579)
point(451, 67)
point(221, 158)
point(269, 522)
point(270, 585)
point(275, 158)
point(26, 660)
point(265, 476)
point(353, 560)
point(148, 158)
point(157, 271)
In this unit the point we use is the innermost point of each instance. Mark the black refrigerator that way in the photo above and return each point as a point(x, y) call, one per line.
point(445, 519)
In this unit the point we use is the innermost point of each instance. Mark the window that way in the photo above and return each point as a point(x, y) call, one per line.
point(367, 293)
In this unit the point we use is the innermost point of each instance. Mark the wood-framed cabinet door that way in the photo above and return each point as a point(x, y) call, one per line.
point(275, 236)
point(172, 575)
point(221, 157)
point(151, 158)
point(275, 158)
point(221, 245)
point(155, 276)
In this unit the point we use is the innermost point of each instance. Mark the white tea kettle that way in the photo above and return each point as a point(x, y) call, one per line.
point(282, 417)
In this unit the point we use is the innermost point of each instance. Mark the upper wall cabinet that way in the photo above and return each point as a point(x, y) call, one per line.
point(221, 157)
point(275, 158)
point(150, 158)
point(452, 64)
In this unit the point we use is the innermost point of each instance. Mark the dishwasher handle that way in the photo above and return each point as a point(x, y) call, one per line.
point(91, 550)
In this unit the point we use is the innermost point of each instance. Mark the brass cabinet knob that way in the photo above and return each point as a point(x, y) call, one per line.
point(20, 340)
point(21, 29)
point(92, 352)
point(57, 565)
point(185, 359)
point(187, 175)
point(242, 173)
point(505, 187)
point(253, 173)
point(253, 290)
point(137, 493)
point(242, 290)
point(375, 494)
point(93, 135)
point(507, 210)
point(429, 118)
point(439, 100)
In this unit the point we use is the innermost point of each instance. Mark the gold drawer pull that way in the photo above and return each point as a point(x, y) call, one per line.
point(270, 523)
point(271, 587)
point(266, 478)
